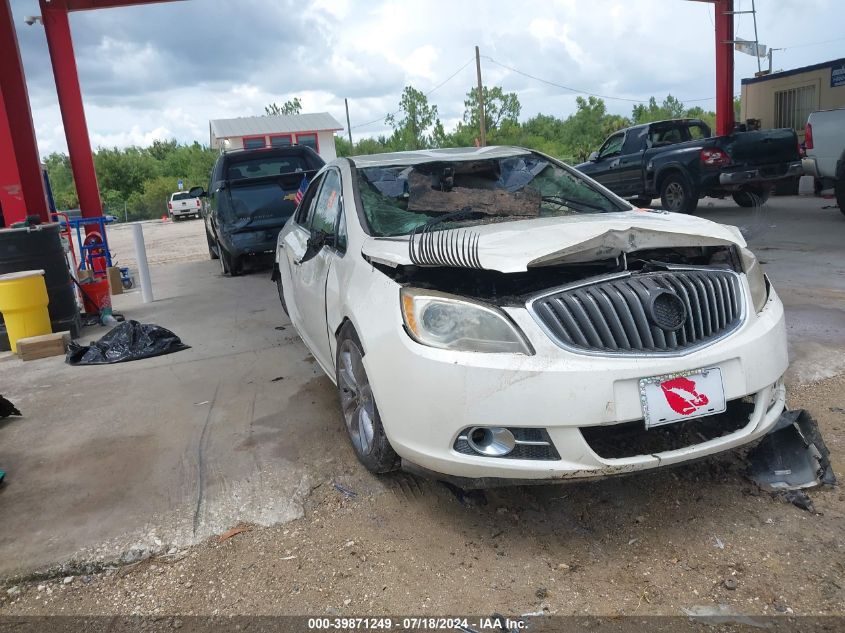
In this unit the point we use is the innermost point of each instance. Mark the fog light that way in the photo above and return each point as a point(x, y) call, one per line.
point(493, 441)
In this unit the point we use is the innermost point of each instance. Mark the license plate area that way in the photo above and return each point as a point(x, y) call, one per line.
point(682, 396)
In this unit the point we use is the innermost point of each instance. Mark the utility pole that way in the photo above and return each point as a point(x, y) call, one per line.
point(481, 123)
point(348, 127)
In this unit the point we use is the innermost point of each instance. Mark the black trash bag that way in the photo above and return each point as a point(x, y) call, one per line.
point(128, 341)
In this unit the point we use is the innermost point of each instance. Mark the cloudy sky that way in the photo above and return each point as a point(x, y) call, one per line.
point(162, 71)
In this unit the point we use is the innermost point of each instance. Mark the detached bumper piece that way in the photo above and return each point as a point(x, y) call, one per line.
point(792, 457)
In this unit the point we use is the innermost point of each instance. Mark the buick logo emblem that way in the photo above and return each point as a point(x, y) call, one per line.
point(667, 311)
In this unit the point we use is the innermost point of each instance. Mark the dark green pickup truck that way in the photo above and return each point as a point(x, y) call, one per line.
point(680, 162)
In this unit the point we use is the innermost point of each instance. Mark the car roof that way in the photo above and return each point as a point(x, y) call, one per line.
point(451, 154)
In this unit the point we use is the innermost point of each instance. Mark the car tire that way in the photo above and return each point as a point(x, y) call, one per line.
point(282, 294)
point(229, 264)
point(360, 413)
point(644, 203)
point(677, 194)
point(839, 192)
point(752, 196)
point(212, 247)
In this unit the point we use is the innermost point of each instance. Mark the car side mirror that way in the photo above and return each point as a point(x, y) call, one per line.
point(315, 244)
point(593, 157)
point(197, 192)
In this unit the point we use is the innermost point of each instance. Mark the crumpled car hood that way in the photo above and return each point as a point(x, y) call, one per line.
point(515, 246)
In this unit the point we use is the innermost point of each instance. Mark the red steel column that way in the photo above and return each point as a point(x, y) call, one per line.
point(22, 152)
point(55, 16)
point(724, 66)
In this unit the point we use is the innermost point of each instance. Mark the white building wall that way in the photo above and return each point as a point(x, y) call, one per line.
point(325, 140)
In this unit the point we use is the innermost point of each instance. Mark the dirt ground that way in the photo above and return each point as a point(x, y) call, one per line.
point(646, 544)
point(656, 543)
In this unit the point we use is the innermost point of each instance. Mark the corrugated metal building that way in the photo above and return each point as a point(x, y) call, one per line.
point(786, 98)
point(315, 130)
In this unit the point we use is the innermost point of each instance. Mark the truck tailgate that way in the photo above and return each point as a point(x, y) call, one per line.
point(763, 147)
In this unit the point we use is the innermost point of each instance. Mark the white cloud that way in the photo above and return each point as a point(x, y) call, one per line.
point(168, 68)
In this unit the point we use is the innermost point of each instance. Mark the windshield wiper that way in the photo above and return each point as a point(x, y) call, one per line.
point(563, 200)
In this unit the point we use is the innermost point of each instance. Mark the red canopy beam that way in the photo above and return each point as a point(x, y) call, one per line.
point(54, 14)
point(19, 149)
point(724, 66)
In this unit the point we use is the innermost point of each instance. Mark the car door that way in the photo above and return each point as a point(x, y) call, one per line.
point(309, 265)
point(605, 166)
point(629, 164)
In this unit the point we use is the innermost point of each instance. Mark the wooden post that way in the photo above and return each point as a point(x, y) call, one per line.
point(481, 123)
point(348, 126)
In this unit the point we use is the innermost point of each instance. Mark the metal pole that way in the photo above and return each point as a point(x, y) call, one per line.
point(60, 44)
point(756, 39)
point(348, 127)
point(19, 161)
point(125, 214)
point(724, 67)
point(143, 266)
point(481, 123)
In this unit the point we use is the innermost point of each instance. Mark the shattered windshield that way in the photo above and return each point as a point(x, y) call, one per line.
point(398, 199)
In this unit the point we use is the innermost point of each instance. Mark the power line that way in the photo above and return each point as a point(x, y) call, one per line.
point(836, 39)
point(427, 94)
point(577, 90)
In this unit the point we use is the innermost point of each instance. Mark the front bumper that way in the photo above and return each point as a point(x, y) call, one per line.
point(427, 396)
point(759, 176)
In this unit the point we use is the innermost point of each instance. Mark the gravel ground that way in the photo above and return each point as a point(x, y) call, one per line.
point(646, 544)
point(166, 242)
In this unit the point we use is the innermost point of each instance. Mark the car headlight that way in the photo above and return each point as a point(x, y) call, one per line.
point(756, 279)
point(449, 322)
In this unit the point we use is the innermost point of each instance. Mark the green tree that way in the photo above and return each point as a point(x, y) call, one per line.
point(417, 125)
point(292, 106)
point(499, 108)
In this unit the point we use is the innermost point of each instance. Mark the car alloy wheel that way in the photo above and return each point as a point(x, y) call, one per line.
point(360, 413)
point(674, 196)
point(356, 397)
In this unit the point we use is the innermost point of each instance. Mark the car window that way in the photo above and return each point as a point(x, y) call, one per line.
point(612, 146)
point(665, 136)
point(697, 131)
point(397, 199)
point(340, 241)
point(181, 196)
point(265, 166)
point(327, 208)
point(303, 212)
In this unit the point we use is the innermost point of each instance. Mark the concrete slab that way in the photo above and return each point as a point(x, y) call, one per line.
point(169, 450)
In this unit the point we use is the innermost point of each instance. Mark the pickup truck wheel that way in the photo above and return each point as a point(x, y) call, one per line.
point(839, 192)
point(751, 196)
point(677, 195)
point(212, 247)
point(360, 413)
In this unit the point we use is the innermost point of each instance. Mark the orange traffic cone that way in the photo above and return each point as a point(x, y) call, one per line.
point(164, 218)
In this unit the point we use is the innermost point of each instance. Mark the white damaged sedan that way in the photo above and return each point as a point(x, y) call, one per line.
point(493, 314)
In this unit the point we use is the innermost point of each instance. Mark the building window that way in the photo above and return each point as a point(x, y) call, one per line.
point(254, 142)
point(793, 106)
point(281, 141)
point(309, 140)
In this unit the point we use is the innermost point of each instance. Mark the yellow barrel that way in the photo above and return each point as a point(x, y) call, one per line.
point(23, 303)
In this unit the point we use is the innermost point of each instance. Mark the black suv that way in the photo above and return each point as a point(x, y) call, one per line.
point(251, 194)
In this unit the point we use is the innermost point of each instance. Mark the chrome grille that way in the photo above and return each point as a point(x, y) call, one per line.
point(621, 314)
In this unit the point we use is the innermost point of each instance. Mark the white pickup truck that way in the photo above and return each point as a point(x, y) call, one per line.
point(182, 204)
point(824, 139)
